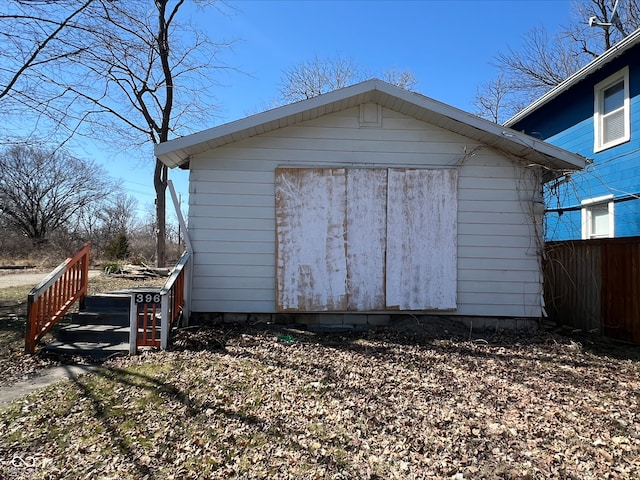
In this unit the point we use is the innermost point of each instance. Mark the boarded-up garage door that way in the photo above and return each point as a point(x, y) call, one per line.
point(365, 239)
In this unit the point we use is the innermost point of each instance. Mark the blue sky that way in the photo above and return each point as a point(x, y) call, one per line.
point(448, 45)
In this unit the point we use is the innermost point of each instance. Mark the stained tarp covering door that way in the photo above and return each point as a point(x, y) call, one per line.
point(355, 240)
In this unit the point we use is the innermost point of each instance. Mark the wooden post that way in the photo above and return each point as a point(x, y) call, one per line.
point(133, 326)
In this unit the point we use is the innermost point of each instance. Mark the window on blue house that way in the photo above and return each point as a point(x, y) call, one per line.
point(611, 111)
point(597, 217)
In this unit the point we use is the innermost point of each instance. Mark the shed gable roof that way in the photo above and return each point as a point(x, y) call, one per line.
point(596, 64)
point(178, 151)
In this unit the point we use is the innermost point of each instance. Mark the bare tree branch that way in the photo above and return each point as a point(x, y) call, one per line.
point(543, 62)
point(35, 58)
point(400, 78)
point(321, 75)
point(317, 76)
point(135, 71)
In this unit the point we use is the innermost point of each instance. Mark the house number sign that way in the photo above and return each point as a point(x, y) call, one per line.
point(147, 298)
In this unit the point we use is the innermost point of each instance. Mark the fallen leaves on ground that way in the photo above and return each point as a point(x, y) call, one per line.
point(15, 366)
point(364, 407)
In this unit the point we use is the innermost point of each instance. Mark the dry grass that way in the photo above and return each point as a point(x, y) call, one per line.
point(14, 365)
point(275, 404)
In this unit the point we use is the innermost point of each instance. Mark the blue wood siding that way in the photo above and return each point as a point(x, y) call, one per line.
point(567, 121)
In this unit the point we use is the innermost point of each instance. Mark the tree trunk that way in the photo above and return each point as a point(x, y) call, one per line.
point(160, 184)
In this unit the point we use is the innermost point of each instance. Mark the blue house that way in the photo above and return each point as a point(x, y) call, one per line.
point(595, 113)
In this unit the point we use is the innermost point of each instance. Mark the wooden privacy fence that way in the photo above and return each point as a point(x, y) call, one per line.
point(51, 299)
point(154, 313)
point(594, 285)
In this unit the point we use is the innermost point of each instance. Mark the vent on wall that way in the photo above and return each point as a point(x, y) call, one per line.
point(370, 115)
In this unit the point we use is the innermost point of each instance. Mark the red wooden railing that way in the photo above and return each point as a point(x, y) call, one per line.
point(154, 314)
point(173, 297)
point(51, 299)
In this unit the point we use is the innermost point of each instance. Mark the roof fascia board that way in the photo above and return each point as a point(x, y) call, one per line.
point(173, 152)
point(577, 77)
point(256, 120)
point(492, 128)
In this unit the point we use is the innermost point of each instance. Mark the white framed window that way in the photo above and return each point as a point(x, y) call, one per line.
point(611, 116)
point(597, 217)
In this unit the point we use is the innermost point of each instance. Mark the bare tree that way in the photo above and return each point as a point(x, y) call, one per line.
point(118, 215)
point(321, 75)
point(32, 38)
point(610, 26)
point(400, 78)
point(492, 97)
point(139, 76)
point(103, 220)
point(317, 76)
point(42, 191)
point(543, 62)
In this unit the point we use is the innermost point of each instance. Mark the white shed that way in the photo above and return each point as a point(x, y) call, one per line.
point(368, 199)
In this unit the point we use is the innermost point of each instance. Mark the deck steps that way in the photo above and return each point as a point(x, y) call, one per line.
point(96, 350)
point(99, 330)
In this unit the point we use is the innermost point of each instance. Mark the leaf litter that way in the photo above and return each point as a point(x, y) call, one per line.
point(279, 404)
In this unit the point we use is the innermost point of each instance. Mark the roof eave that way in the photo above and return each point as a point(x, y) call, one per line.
point(174, 152)
point(577, 77)
point(177, 152)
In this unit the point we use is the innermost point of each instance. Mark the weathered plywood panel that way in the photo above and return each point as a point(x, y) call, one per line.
point(348, 208)
point(421, 247)
point(366, 238)
point(311, 258)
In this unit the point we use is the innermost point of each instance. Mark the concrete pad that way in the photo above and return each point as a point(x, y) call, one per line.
point(45, 377)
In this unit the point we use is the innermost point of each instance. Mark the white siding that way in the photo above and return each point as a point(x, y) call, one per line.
point(232, 210)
